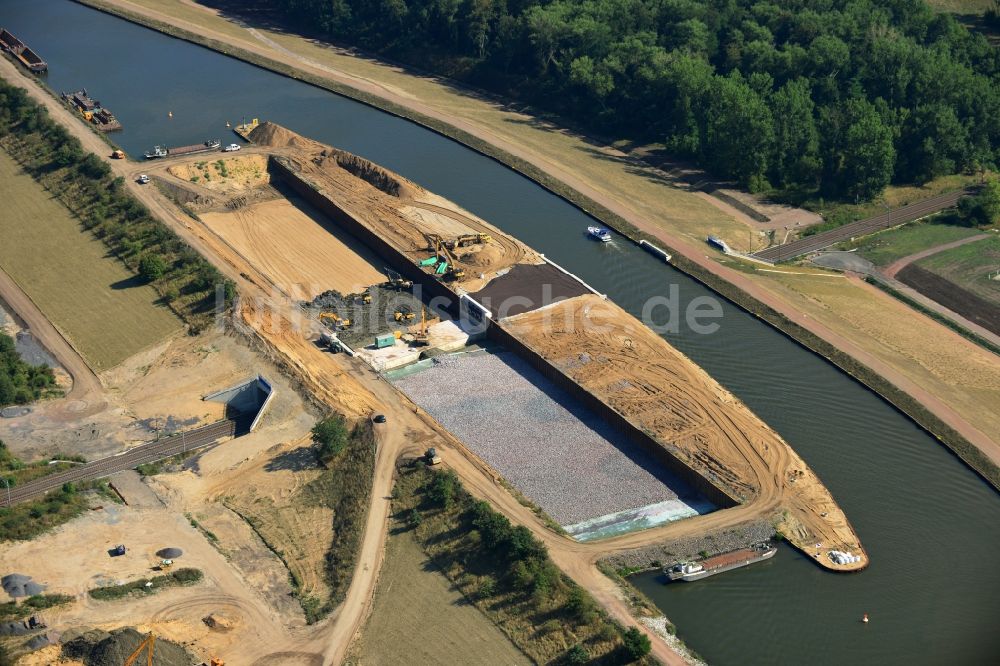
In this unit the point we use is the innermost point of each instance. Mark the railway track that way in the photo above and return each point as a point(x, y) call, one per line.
point(864, 227)
point(142, 454)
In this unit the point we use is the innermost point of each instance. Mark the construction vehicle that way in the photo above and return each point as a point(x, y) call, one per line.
point(163, 565)
point(214, 661)
point(118, 550)
point(396, 281)
point(149, 642)
point(338, 321)
point(403, 315)
point(431, 457)
point(364, 297)
point(445, 260)
point(467, 240)
point(118, 155)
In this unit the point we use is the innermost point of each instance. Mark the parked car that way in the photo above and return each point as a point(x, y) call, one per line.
point(143, 179)
point(232, 148)
point(379, 418)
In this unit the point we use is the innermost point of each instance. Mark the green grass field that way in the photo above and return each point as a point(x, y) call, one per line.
point(92, 298)
point(969, 266)
point(884, 248)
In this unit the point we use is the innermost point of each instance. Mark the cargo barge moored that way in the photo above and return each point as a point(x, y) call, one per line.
point(160, 151)
point(691, 571)
point(24, 55)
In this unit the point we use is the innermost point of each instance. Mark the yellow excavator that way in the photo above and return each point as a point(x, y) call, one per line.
point(446, 267)
point(148, 643)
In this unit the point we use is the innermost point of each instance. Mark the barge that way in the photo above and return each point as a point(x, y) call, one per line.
point(24, 55)
point(92, 110)
point(160, 151)
point(691, 571)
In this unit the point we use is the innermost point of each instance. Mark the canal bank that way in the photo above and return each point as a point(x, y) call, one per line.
point(908, 495)
point(707, 273)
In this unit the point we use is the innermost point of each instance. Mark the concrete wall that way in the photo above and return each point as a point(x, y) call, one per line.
point(404, 265)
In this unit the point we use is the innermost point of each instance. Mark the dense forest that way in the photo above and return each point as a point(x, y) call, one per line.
point(839, 97)
point(20, 382)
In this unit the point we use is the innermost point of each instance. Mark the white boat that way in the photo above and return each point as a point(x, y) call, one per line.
point(600, 234)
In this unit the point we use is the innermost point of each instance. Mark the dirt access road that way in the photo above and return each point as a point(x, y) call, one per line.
point(597, 185)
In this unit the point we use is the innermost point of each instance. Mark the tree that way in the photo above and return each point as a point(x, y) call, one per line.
point(576, 656)
point(330, 437)
point(443, 488)
point(635, 644)
point(869, 155)
point(796, 140)
point(739, 132)
point(152, 267)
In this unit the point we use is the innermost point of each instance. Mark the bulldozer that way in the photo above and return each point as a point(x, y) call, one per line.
point(467, 240)
point(403, 315)
point(118, 155)
point(364, 297)
point(338, 321)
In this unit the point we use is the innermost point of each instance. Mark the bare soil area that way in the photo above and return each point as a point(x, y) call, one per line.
point(302, 253)
point(630, 368)
point(231, 174)
point(419, 618)
point(400, 211)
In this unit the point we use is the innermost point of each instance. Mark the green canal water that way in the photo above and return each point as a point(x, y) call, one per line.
point(928, 523)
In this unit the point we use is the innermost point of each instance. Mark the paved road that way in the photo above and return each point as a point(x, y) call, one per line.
point(145, 453)
point(913, 211)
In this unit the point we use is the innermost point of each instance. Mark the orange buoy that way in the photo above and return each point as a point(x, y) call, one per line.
point(864, 618)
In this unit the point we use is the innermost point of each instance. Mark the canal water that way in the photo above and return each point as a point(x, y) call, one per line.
point(929, 524)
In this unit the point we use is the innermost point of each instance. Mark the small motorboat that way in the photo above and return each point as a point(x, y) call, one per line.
point(600, 234)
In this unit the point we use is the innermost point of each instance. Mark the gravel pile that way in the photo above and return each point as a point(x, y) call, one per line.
point(99, 648)
point(551, 448)
point(19, 585)
point(670, 553)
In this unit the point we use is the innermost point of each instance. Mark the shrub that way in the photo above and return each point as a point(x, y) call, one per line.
point(152, 267)
point(635, 644)
point(330, 437)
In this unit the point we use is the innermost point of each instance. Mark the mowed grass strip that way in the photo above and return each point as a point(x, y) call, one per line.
point(973, 267)
point(105, 311)
point(420, 618)
point(886, 247)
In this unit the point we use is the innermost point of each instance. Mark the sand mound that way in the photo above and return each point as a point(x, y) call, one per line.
point(271, 134)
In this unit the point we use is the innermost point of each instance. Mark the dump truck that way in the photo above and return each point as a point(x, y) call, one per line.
point(431, 457)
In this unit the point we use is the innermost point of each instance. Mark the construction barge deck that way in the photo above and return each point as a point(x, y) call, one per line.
point(24, 55)
point(92, 111)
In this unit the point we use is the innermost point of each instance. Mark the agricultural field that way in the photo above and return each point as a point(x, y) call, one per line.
point(420, 618)
point(970, 267)
point(105, 311)
point(884, 248)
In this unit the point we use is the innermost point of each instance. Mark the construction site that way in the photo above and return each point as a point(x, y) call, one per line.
point(364, 294)
point(595, 396)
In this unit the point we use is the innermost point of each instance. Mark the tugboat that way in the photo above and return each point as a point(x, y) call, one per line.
point(691, 571)
point(600, 234)
point(157, 151)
